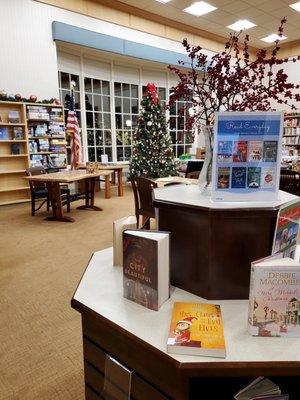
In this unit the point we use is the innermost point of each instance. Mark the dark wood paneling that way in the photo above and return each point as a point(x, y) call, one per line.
point(211, 250)
point(161, 371)
point(90, 394)
point(140, 389)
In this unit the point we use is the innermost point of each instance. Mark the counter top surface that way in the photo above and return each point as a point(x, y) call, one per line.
point(100, 290)
point(190, 195)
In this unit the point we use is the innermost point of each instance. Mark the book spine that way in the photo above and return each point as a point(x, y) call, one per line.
point(253, 330)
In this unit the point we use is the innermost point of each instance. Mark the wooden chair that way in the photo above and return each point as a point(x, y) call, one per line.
point(143, 199)
point(39, 191)
point(290, 181)
point(193, 166)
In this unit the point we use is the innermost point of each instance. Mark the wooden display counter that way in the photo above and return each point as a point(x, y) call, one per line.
point(213, 244)
point(136, 337)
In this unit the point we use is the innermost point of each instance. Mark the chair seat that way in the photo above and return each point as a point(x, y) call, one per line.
point(40, 192)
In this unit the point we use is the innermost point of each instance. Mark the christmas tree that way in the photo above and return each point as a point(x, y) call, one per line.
point(152, 154)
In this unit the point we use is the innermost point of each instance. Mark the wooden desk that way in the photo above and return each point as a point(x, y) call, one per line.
point(53, 182)
point(116, 169)
point(213, 243)
point(136, 337)
point(113, 169)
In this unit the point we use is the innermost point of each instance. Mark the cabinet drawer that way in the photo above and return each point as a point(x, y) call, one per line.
point(94, 367)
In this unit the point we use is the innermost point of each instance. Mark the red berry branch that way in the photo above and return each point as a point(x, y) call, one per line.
point(232, 81)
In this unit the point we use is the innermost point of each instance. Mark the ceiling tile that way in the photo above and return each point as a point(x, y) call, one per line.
point(269, 5)
point(266, 14)
point(236, 6)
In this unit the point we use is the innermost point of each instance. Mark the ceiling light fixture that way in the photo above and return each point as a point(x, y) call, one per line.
point(241, 25)
point(200, 8)
point(296, 6)
point(273, 37)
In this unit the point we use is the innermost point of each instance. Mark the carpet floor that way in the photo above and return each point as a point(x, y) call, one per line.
point(41, 263)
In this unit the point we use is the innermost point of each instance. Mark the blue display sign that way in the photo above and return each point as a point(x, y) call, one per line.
point(247, 156)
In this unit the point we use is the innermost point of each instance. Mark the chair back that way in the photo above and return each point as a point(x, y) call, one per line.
point(143, 195)
point(36, 171)
point(193, 166)
point(290, 181)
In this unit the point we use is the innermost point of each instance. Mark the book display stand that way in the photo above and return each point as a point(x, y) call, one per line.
point(136, 338)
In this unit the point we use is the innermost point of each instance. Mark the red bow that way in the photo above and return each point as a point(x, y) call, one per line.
point(151, 89)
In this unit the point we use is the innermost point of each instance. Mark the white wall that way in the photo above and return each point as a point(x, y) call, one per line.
point(28, 53)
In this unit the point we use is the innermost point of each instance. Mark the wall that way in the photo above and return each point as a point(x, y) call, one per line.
point(124, 14)
point(29, 60)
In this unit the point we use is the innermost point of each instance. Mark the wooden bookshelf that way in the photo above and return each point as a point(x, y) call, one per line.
point(13, 186)
point(46, 145)
point(291, 133)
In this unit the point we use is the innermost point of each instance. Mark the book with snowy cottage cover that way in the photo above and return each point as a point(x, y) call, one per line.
point(274, 299)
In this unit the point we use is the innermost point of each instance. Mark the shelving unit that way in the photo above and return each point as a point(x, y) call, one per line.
point(13, 186)
point(291, 132)
point(291, 141)
point(47, 139)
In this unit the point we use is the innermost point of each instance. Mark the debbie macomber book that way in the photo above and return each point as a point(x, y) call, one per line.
point(196, 329)
point(146, 267)
point(274, 300)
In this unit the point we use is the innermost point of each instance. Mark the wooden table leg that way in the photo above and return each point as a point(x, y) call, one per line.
point(113, 177)
point(120, 183)
point(90, 195)
point(56, 203)
point(107, 187)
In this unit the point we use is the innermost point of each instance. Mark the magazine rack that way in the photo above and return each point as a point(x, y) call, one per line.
point(213, 244)
point(136, 337)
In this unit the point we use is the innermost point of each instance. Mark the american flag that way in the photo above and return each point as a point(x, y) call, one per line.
point(73, 131)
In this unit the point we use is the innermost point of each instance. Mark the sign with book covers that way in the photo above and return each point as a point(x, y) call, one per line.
point(247, 155)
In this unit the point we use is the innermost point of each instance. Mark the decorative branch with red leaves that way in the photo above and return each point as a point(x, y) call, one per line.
point(232, 81)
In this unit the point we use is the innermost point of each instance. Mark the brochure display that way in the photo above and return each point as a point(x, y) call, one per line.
point(247, 154)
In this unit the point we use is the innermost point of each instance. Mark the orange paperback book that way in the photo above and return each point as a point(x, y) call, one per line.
point(196, 329)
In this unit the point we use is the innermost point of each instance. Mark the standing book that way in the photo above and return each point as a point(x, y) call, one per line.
point(119, 226)
point(287, 228)
point(274, 300)
point(196, 329)
point(146, 267)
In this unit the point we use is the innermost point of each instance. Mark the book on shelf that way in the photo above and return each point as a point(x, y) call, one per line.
point(15, 148)
point(57, 160)
point(18, 133)
point(14, 117)
point(261, 388)
point(43, 144)
point(146, 262)
point(4, 134)
point(37, 112)
point(119, 226)
point(37, 160)
point(56, 129)
point(287, 229)
point(274, 298)
point(196, 329)
point(56, 114)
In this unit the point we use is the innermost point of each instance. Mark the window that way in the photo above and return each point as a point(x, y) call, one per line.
point(182, 138)
point(98, 118)
point(126, 115)
point(64, 80)
point(161, 94)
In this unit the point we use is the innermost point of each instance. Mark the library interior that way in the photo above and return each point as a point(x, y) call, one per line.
point(149, 200)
